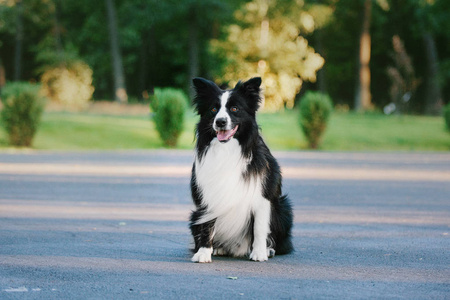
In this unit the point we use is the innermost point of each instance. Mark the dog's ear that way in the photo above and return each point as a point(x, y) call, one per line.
point(251, 90)
point(205, 92)
point(201, 83)
point(252, 85)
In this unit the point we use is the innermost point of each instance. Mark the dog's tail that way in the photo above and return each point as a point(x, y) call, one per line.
point(281, 226)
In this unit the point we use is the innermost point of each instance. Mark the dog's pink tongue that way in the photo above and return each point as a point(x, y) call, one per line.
point(225, 135)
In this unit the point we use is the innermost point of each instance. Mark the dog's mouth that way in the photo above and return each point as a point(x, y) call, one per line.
point(226, 135)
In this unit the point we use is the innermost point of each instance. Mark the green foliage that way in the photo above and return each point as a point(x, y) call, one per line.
point(69, 85)
point(447, 115)
point(275, 49)
point(169, 106)
point(155, 43)
point(315, 110)
point(22, 109)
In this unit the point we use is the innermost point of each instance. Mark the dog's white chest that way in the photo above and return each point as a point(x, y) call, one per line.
point(220, 175)
point(228, 196)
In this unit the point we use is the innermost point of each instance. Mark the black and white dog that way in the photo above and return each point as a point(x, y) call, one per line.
point(236, 182)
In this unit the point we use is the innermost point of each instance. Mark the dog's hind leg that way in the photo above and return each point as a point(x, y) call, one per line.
point(281, 226)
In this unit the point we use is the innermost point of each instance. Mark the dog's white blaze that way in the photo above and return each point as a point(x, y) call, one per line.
point(223, 111)
point(231, 199)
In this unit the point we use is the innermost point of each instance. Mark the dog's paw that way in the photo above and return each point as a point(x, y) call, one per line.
point(203, 255)
point(259, 255)
point(270, 252)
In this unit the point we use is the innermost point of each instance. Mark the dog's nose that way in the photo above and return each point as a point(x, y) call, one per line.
point(221, 122)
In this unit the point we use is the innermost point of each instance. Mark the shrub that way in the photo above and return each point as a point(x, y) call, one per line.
point(69, 85)
point(169, 106)
point(447, 115)
point(315, 109)
point(22, 110)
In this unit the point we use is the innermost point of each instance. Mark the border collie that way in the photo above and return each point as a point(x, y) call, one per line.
point(236, 182)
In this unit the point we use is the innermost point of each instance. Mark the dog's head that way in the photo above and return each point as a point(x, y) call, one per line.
point(226, 113)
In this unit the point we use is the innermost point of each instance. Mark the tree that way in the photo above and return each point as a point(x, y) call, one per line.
point(200, 28)
point(165, 43)
point(339, 39)
point(403, 80)
point(274, 49)
point(426, 24)
point(19, 41)
point(23, 25)
point(116, 58)
point(424, 21)
point(362, 95)
point(2, 74)
point(433, 102)
point(193, 44)
point(154, 44)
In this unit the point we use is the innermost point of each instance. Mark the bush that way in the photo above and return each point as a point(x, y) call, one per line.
point(22, 110)
point(315, 110)
point(69, 85)
point(447, 115)
point(169, 106)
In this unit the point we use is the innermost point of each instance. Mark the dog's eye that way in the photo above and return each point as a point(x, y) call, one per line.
point(214, 110)
point(234, 109)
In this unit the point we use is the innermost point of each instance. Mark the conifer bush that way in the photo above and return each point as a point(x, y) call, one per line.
point(23, 105)
point(169, 106)
point(315, 110)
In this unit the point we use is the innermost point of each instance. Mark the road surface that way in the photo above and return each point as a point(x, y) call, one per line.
point(113, 225)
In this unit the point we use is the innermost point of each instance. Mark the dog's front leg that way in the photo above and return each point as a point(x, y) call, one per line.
point(261, 231)
point(203, 235)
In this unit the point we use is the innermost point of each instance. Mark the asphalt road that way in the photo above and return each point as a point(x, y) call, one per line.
point(113, 225)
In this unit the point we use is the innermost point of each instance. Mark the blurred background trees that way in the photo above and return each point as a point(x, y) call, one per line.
point(267, 40)
point(295, 45)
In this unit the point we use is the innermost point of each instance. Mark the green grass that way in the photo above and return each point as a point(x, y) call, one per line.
point(360, 132)
point(346, 131)
point(381, 132)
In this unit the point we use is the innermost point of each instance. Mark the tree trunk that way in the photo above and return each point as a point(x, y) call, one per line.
point(433, 102)
point(143, 67)
point(57, 29)
point(2, 75)
point(19, 41)
point(120, 91)
point(152, 57)
point(193, 45)
point(363, 97)
point(321, 81)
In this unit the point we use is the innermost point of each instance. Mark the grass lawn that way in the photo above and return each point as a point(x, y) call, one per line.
point(360, 132)
point(381, 132)
point(346, 131)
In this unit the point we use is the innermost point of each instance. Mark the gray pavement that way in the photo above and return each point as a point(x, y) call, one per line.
point(113, 225)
